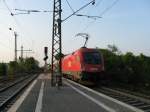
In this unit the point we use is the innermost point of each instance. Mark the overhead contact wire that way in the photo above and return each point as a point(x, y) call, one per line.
point(70, 6)
point(101, 14)
point(17, 23)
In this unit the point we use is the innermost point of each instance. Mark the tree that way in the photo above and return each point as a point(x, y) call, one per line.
point(12, 68)
point(31, 64)
point(114, 49)
point(3, 69)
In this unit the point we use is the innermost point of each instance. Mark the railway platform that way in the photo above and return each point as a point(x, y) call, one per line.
point(71, 97)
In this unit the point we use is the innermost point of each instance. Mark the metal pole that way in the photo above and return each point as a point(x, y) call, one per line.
point(21, 52)
point(52, 60)
point(15, 34)
point(56, 41)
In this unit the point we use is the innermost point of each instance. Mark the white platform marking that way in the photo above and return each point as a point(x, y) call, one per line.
point(40, 99)
point(108, 98)
point(92, 99)
point(17, 104)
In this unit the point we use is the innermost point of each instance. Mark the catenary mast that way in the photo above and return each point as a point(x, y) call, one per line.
point(56, 39)
point(56, 42)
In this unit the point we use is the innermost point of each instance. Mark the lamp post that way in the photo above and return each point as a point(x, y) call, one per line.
point(15, 50)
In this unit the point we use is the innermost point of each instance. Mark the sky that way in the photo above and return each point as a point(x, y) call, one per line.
point(124, 23)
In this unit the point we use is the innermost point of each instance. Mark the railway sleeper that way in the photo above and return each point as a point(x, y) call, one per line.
point(133, 101)
point(138, 104)
point(144, 106)
point(147, 110)
point(123, 98)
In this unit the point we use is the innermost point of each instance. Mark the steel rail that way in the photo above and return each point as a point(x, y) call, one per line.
point(22, 86)
point(128, 98)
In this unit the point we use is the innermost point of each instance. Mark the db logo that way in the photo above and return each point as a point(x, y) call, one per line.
point(69, 64)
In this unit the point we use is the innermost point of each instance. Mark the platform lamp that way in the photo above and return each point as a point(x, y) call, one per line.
point(15, 50)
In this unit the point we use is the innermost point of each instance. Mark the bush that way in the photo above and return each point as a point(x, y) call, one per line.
point(3, 69)
point(127, 69)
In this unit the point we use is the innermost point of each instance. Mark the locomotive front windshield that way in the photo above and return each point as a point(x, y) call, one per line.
point(92, 58)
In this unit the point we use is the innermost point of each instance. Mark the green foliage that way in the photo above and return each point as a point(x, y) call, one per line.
point(114, 49)
point(128, 68)
point(58, 56)
point(28, 65)
point(12, 67)
point(3, 69)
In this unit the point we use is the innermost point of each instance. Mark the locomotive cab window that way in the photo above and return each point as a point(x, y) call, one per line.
point(92, 58)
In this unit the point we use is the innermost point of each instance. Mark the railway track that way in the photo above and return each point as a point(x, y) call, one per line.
point(142, 103)
point(9, 83)
point(7, 80)
point(135, 101)
point(8, 94)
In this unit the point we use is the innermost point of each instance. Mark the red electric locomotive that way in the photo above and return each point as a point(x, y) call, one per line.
point(84, 65)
